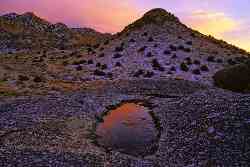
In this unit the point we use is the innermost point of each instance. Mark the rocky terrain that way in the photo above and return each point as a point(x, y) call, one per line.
point(57, 83)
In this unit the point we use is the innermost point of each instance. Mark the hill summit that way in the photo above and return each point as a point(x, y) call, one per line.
point(156, 16)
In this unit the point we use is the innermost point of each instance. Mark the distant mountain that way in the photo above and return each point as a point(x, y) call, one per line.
point(28, 31)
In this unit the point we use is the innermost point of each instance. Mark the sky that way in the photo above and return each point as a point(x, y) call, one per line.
point(225, 19)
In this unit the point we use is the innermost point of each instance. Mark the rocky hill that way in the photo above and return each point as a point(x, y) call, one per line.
point(28, 31)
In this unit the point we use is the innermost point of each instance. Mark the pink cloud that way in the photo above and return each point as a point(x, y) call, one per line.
point(105, 16)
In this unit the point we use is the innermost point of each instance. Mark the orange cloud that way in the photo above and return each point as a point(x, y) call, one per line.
point(220, 26)
point(212, 23)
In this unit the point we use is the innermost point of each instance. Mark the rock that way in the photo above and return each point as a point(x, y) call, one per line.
point(236, 78)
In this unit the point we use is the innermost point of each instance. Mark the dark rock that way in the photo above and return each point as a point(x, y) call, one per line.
point(236, 78)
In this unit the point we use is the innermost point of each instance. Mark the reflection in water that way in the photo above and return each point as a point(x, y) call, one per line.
point(129, 129)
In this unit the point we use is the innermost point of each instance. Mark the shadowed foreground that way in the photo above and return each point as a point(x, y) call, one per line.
point(199, 125)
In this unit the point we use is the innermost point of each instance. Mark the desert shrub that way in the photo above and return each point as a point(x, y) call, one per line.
point(37, 79)
point(101, 55)
point(197, 62)
point(138, 73)
point(98, 64)
point(204, 68)
point(79, 68)
point(196, 71)
point(231, 62)
point(90, 61)
point(187, 50)
point(145, 34)
point(188, 60)
point(119, 49)
point(149, 74)
point(189, 43)
point(174, 56)
point(104, 66)
point(142, 49)
point(118, 64)
point(211, 59)
point(184, 67)
point(181, 47)
point(219, 60)
point(173, 47)
point(99, 73)
point(173, 68)
point(157, 66)
point(23, 78)
point(149, 54)
point(117, 55)
point(167, 52)
point(106, 42)
point(110, 75)
point(132, 40)
point(150, 39)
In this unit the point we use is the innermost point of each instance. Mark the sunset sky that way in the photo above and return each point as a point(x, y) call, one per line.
point(224, 19)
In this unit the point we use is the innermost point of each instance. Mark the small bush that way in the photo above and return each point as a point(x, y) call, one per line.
point(155, 45)
point(23, 78)
point(173, 68)
point(119, 49)
point(150, 39)
point(173, 48)
point(204, 68)
point(174, 56)
point(149, 74)
point(101, 55)
point(184, 67)
point(167, 52)
point(37, 79)
point(188, 60)
point(142, 49)
point(104, 66)
point(196, 71)
point(157, 66)
point(118, 64)
point(138, 73)
point(79, 68)
point(132, 40)
point(189, 43)
point(219, 61)
point(231, 62)
point(197, 62)
point(145, 34)
point(149, 54)
point(211, 59)
point(98, 64)
point(99, 73)
point(117, 55)
point(90, 61)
